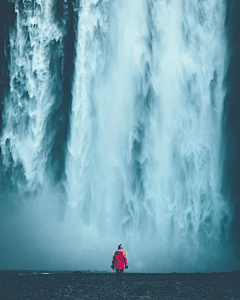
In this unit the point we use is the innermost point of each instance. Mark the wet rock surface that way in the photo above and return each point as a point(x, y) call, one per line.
point(77, 285)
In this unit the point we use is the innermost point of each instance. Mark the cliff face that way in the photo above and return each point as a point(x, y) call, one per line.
point(231, 117)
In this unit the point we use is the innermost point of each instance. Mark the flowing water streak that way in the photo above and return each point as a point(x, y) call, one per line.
point(109, 70)
point(184, 180)
point(30, 100)
point(92, 32)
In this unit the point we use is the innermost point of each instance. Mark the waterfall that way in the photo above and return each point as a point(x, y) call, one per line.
point(24, 143)
point(138, 140)
point(144, 159)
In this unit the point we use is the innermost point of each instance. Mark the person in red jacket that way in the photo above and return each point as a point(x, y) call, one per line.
point(119, 262)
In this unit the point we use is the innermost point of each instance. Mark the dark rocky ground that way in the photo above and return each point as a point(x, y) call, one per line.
point(29, 286)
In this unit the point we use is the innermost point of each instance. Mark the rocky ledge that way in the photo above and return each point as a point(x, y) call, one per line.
point(78, 285)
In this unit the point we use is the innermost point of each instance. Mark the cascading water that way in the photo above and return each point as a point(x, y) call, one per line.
point(144, 151)
point(24, 143)
point(143, 163)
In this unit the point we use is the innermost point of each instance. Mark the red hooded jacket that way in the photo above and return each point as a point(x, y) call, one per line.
point(119, 259)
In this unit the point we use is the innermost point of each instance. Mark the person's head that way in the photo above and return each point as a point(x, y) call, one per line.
point(120, 246)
